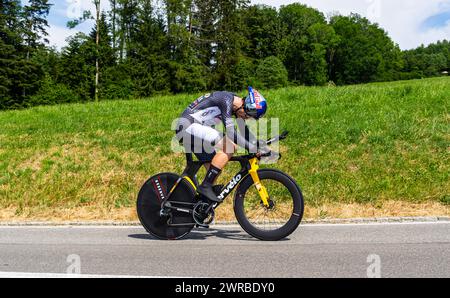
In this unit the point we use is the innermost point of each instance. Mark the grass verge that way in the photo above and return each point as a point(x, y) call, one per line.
point(376, 149)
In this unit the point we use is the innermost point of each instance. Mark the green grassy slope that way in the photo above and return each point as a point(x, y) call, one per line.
point(363, 144)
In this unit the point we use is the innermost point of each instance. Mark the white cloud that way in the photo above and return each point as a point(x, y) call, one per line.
point(57, 35)
point(432, 35)
point(63, 11)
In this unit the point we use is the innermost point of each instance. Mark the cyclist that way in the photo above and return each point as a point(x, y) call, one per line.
point(195, 130)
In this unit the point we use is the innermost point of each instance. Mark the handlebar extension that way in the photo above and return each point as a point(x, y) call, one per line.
point(283, 136)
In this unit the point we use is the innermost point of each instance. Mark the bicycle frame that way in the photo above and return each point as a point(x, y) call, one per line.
point(249, 166)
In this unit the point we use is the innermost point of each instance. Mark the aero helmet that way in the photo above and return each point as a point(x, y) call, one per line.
point(255, 104)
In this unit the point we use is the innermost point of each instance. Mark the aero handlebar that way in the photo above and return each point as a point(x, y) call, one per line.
point(283, 136)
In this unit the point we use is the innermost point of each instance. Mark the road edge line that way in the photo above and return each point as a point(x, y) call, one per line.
point(418, 219)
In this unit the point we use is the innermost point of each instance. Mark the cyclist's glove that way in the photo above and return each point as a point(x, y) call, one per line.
point(265, 151)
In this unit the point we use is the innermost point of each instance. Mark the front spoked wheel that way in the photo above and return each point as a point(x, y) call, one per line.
point(281, 217)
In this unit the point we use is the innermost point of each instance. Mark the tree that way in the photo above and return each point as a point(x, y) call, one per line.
point(203, 24)
point(97, 43)
point(243, 74)
point(365, 52)
point(11, 22)
point(20, 76)
point(127, 14)
point(145, 47)
point(296, 49)
point(229, 40)
point(187, 73)
point(53, 93)
point(105, 55)
point(88, 15)
point(113, 17)
point(6, 69)
point(148, 64)
point(81, 58)
point(36, 24)
point(272, 73)
point(77, 67)
point(427, 61)
point(10, 40)
point(262, 31)
point(319, 54)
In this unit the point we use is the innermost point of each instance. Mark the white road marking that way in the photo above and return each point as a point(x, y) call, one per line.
point(62, 275)
point(373, 224)
point(221, 225)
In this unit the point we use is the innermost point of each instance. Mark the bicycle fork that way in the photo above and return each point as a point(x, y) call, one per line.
point(262, 191)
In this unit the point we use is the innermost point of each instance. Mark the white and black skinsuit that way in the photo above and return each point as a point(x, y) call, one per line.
point(200, 118)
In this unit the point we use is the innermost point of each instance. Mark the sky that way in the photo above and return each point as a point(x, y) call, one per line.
point(409, 23)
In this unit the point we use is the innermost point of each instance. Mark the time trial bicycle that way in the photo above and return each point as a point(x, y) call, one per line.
point(268, 204)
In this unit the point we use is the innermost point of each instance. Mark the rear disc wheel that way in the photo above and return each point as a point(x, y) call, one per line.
point(149, 202)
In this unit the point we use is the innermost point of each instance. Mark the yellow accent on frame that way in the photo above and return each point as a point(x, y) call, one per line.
point(191, 182)
point(188, 180)
point(175, 185)
point(261, 189)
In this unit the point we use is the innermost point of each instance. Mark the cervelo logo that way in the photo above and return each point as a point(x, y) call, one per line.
point(230, 186)
point(159, 188)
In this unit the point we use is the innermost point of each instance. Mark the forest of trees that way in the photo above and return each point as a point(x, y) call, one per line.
point(140, 48)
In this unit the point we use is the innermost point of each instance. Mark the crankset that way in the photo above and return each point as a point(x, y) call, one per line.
point(203, 214)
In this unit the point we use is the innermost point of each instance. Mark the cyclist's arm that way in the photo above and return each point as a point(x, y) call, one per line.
point(249, 136)
point(226, 107)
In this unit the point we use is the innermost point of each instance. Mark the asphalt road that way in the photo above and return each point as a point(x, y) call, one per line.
point(386, 250)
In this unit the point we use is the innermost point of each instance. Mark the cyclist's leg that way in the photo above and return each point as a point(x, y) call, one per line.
point(225, 150)
point(201, 142)
point(220, 148)
point(219, 158)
